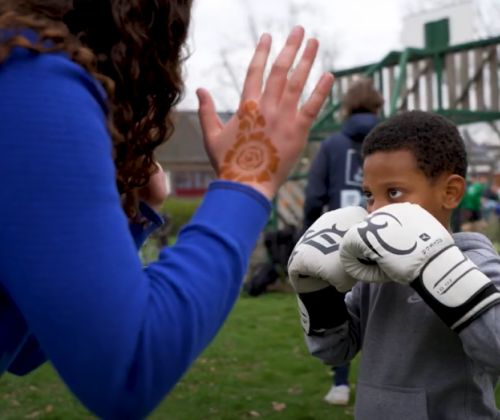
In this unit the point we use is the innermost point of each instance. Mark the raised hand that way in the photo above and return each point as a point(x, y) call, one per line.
point(261, 143)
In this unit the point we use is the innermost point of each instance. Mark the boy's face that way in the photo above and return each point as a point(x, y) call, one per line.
point(394, 177)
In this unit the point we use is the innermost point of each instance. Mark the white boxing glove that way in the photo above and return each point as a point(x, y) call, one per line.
point(316, 273)
point(413, 248)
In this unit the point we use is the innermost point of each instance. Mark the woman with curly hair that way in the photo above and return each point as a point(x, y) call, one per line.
point(87, 90)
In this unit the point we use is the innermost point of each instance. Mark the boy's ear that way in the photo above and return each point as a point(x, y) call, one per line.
point(454, 190)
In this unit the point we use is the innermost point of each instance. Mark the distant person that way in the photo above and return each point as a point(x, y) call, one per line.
point(489, 201)
point(336, 176)
point(473, 202)
point(336, 179)
point(87, 92)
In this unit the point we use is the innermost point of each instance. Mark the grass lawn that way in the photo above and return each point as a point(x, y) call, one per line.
point(258, 367)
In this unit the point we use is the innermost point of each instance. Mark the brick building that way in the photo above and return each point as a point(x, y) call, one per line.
point(184, 156)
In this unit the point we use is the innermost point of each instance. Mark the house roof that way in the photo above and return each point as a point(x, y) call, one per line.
point(186, 144)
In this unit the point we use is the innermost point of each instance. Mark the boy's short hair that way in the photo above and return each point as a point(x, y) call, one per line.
point(434, 141)
point(362, 97)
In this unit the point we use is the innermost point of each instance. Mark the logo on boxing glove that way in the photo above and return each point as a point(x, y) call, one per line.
point(374, 229)
point(326, 235)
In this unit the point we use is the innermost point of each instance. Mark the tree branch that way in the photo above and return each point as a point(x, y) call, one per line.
point(280, 28)
point(226, 64)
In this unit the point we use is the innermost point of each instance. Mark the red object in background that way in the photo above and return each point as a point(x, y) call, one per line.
point(190, 193)
point(191, 184)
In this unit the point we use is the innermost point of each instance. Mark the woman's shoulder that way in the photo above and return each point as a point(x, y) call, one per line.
point(52, 73)
point(46, 95)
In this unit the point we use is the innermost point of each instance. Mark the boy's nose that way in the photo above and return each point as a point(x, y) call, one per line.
point(378, 204)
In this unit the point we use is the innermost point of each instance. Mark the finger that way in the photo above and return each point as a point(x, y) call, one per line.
point(281, 67)
point(296, 83)
point(255, 73)
point(310, 110)
point(210, 122)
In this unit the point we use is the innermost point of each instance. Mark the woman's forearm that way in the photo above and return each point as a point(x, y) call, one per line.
point(118, 335)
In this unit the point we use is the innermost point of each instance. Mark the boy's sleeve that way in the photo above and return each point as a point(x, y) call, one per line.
point(481, 339)
point(141, 232)
point(340, 345)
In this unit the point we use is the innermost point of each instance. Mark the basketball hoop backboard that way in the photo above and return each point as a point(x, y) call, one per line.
point(461, 19)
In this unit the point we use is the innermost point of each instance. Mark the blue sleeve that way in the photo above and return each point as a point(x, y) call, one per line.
point(119, 336)
point(317, 187)
point(141, 232)
point(31, 355)
point(29, 358)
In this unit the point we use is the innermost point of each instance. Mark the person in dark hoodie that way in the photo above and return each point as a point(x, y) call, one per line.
point(336, 178)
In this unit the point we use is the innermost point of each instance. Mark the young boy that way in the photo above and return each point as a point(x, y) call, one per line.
point(430, 351)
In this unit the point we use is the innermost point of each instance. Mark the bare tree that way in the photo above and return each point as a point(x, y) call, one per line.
point(489, 17)
point(230, 68)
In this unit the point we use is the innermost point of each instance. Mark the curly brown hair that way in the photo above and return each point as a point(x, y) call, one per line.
point(134, 48)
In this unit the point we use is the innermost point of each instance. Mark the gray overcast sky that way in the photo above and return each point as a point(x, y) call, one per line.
point(363, 31)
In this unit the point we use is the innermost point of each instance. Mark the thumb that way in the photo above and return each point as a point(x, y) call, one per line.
point(211, 124)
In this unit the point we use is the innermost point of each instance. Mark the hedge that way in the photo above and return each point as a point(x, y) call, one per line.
point(180, 211)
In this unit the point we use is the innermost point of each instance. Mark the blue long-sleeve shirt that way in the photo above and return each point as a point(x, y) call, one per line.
point(28, 355)
point(120, 336)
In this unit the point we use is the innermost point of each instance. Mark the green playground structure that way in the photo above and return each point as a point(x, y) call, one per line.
point(460, 82)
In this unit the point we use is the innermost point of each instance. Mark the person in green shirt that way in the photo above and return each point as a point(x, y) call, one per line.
point(472, 204)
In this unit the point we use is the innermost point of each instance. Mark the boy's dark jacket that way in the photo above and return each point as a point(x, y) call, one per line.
point(413, 367)
point(336, 174)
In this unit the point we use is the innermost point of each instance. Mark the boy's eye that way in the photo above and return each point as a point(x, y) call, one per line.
point(393, 193)
point(367, 194)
